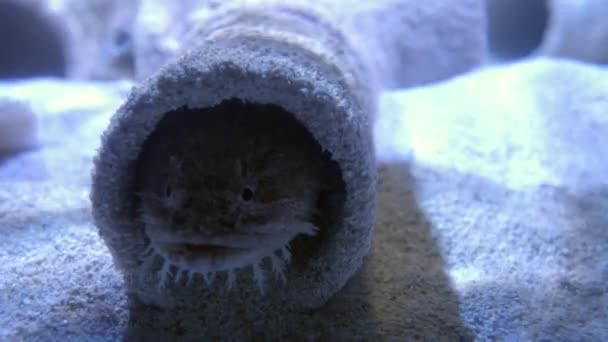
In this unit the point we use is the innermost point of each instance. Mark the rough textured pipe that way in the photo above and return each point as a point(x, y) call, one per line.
point(407, 42)
point(238, 182)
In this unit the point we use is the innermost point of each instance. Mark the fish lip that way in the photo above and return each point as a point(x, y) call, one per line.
point(229, 241)
point(206, 253)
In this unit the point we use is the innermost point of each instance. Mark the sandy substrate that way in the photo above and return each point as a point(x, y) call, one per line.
point(492, 224)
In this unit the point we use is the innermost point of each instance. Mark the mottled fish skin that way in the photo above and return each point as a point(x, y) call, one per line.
point(229, 187)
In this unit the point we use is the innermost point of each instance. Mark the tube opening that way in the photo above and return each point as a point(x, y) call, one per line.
point(31, 44)
point(236, 185)
point(516, 28)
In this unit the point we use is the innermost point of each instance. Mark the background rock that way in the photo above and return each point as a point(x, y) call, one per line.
point(67, 38)
point(516, 28)
point(36, 40)
point(510, 173)
point(17, 127)
point(578, 30)
point(557, 28)
point(408, 42)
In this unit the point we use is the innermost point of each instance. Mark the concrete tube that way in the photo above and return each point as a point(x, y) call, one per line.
point(237, 183)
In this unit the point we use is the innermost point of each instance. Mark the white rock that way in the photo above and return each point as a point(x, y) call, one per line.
point(509, 168)
point(17, 127)
point(522, 125)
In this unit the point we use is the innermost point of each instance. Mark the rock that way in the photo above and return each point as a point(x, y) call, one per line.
point(36, 41)
point(516, 28)
point(57, 279)
point(17, 127)
point(521, 116)
point(417, 42)
point(29, 120)
point(578, 30)
point(160, 28)
point(106, 36)
point(509, 171)
point(78, 39)
point(556, 28)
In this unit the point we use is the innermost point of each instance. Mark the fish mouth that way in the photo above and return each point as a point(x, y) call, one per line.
point(219, 246)
point(201, 250)
point(205, 253)
point(211, 253)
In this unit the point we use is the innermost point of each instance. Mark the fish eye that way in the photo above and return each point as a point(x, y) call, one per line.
point(247, 194)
